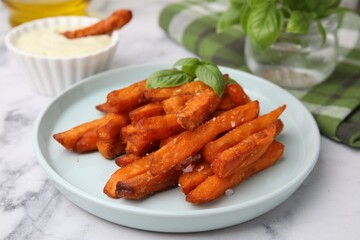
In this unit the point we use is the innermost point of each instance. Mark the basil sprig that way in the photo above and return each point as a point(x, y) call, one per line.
point(263, 20)
point(168, 77)
point(191, 69)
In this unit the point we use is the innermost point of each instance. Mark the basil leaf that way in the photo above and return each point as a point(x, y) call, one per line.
point(187, 62)
point(264, 25)
point(294, 4)
point(339, 10)
point(229, 18)
point(311, 5)
point(322, 31)
point(168, 78)
point(244, 16)
point(188, 65)
point(237, 1)
point(298, 23)
point(255, 3)
point(211, 76)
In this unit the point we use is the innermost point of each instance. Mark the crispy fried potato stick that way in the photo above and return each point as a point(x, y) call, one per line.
point(190, 180)
point(108, 108)
point(135, 168)
point(126, 159)
point(128, 98)
point(110, 144)
point(237, 94)
point(226, 102)
point(145, 184)
point(160, 94)
point(165, 141)
point(190, 142)
point(158, 127)
point(175, 103)
point(116, 21)
point(240, 133)
point(111, 149)
point(148, 110)
point(213, 187)
point(127, 131)
point(139, 146)
point(244, 153)
point(86, 142)
point(69, 137)
point(197, 109)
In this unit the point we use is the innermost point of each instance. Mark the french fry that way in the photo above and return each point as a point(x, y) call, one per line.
point(197, 109)
point(190, 142)
point(111, 129)
point(86, 142)
point(160, 94)
point(237, 94)
point(148, 110)
point(126, 159)
point(240, 133)
point(127, 131)
point(110, 150)
point(244, 153)
point(175, 103)
point(128, 98)
point(158, 127)
point(69, 137)
point(116, 21)
point(139, 146)
point(165, 141)
point(135, 168)
point(226, 103)
point(190, 180)
point(108, 108)
point(145, 184)
point(214, 187)
point(109, 143)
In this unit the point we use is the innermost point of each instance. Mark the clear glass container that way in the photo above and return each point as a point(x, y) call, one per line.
point(297, 60)
point(26, 10)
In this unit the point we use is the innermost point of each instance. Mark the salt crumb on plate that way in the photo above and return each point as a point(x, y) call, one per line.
point(229, 192)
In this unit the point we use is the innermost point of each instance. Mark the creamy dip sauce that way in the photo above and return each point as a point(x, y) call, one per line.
point(49, 42)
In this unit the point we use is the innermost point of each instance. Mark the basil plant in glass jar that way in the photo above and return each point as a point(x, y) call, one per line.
point(290, 42)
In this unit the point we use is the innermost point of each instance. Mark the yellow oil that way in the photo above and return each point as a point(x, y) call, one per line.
point(26, 10)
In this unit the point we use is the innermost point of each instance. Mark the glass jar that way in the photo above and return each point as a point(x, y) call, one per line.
point(297, 60)
point(26, 10)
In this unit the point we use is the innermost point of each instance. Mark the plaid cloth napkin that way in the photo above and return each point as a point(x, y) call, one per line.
point(334, 103)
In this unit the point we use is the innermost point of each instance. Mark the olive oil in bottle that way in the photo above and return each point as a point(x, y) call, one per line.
point(26, 10)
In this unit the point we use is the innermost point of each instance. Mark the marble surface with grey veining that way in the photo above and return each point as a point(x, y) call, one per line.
point(326, 206)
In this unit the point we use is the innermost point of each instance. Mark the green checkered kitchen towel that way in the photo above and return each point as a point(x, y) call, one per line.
point(334, 103)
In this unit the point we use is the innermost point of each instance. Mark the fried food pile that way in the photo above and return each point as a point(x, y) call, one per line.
point(182, 136)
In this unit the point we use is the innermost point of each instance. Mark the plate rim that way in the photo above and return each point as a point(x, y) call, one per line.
point(52, 174)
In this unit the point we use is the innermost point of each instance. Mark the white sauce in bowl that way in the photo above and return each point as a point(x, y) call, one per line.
point(49, 42)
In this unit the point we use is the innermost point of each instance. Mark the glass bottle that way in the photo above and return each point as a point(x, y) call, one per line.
point(26, 10)
point(297, 60)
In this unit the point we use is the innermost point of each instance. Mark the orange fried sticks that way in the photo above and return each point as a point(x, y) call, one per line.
point(185, 136)
point(214, 186)
point(188, 143)
point(116, 21)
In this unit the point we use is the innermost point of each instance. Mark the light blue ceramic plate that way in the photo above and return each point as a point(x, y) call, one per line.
point(81, 178)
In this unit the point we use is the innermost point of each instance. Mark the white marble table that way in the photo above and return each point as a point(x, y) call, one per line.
point(326, 206)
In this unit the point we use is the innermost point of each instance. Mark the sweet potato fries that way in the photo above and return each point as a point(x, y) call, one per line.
point(116, 21)
point(184, 136)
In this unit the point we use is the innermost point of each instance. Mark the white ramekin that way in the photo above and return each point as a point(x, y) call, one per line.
point(51, 75)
